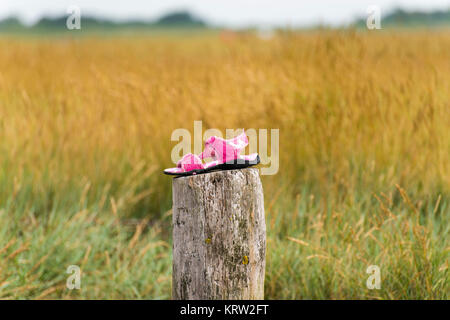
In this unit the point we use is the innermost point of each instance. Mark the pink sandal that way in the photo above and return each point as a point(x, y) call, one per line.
point(224, 153)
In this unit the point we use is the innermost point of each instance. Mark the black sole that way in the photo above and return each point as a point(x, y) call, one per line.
point(223, 166)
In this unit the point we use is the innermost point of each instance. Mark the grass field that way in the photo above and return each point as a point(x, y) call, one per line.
point(364, 174)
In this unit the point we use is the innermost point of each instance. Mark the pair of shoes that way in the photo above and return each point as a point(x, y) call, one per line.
point(224, 153)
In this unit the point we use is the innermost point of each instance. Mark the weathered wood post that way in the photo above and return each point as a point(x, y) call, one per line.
point(219, 236)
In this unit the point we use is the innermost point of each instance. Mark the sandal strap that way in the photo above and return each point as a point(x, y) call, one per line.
point(190, 162)
point(224, 150)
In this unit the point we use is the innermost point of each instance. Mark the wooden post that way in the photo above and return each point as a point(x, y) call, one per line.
point(219, 236)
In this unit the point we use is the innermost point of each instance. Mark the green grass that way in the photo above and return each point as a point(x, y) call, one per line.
point(317, 248)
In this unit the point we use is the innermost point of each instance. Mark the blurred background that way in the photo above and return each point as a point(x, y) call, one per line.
point(218, 14)
point(86, 118)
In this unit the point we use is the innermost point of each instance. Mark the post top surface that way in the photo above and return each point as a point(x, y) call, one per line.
point(219, 172)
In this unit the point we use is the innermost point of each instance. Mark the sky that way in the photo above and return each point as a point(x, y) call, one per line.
point(229, 13)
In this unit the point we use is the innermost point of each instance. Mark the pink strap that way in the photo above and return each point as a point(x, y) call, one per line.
point(224, 150)
point(190, 162)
